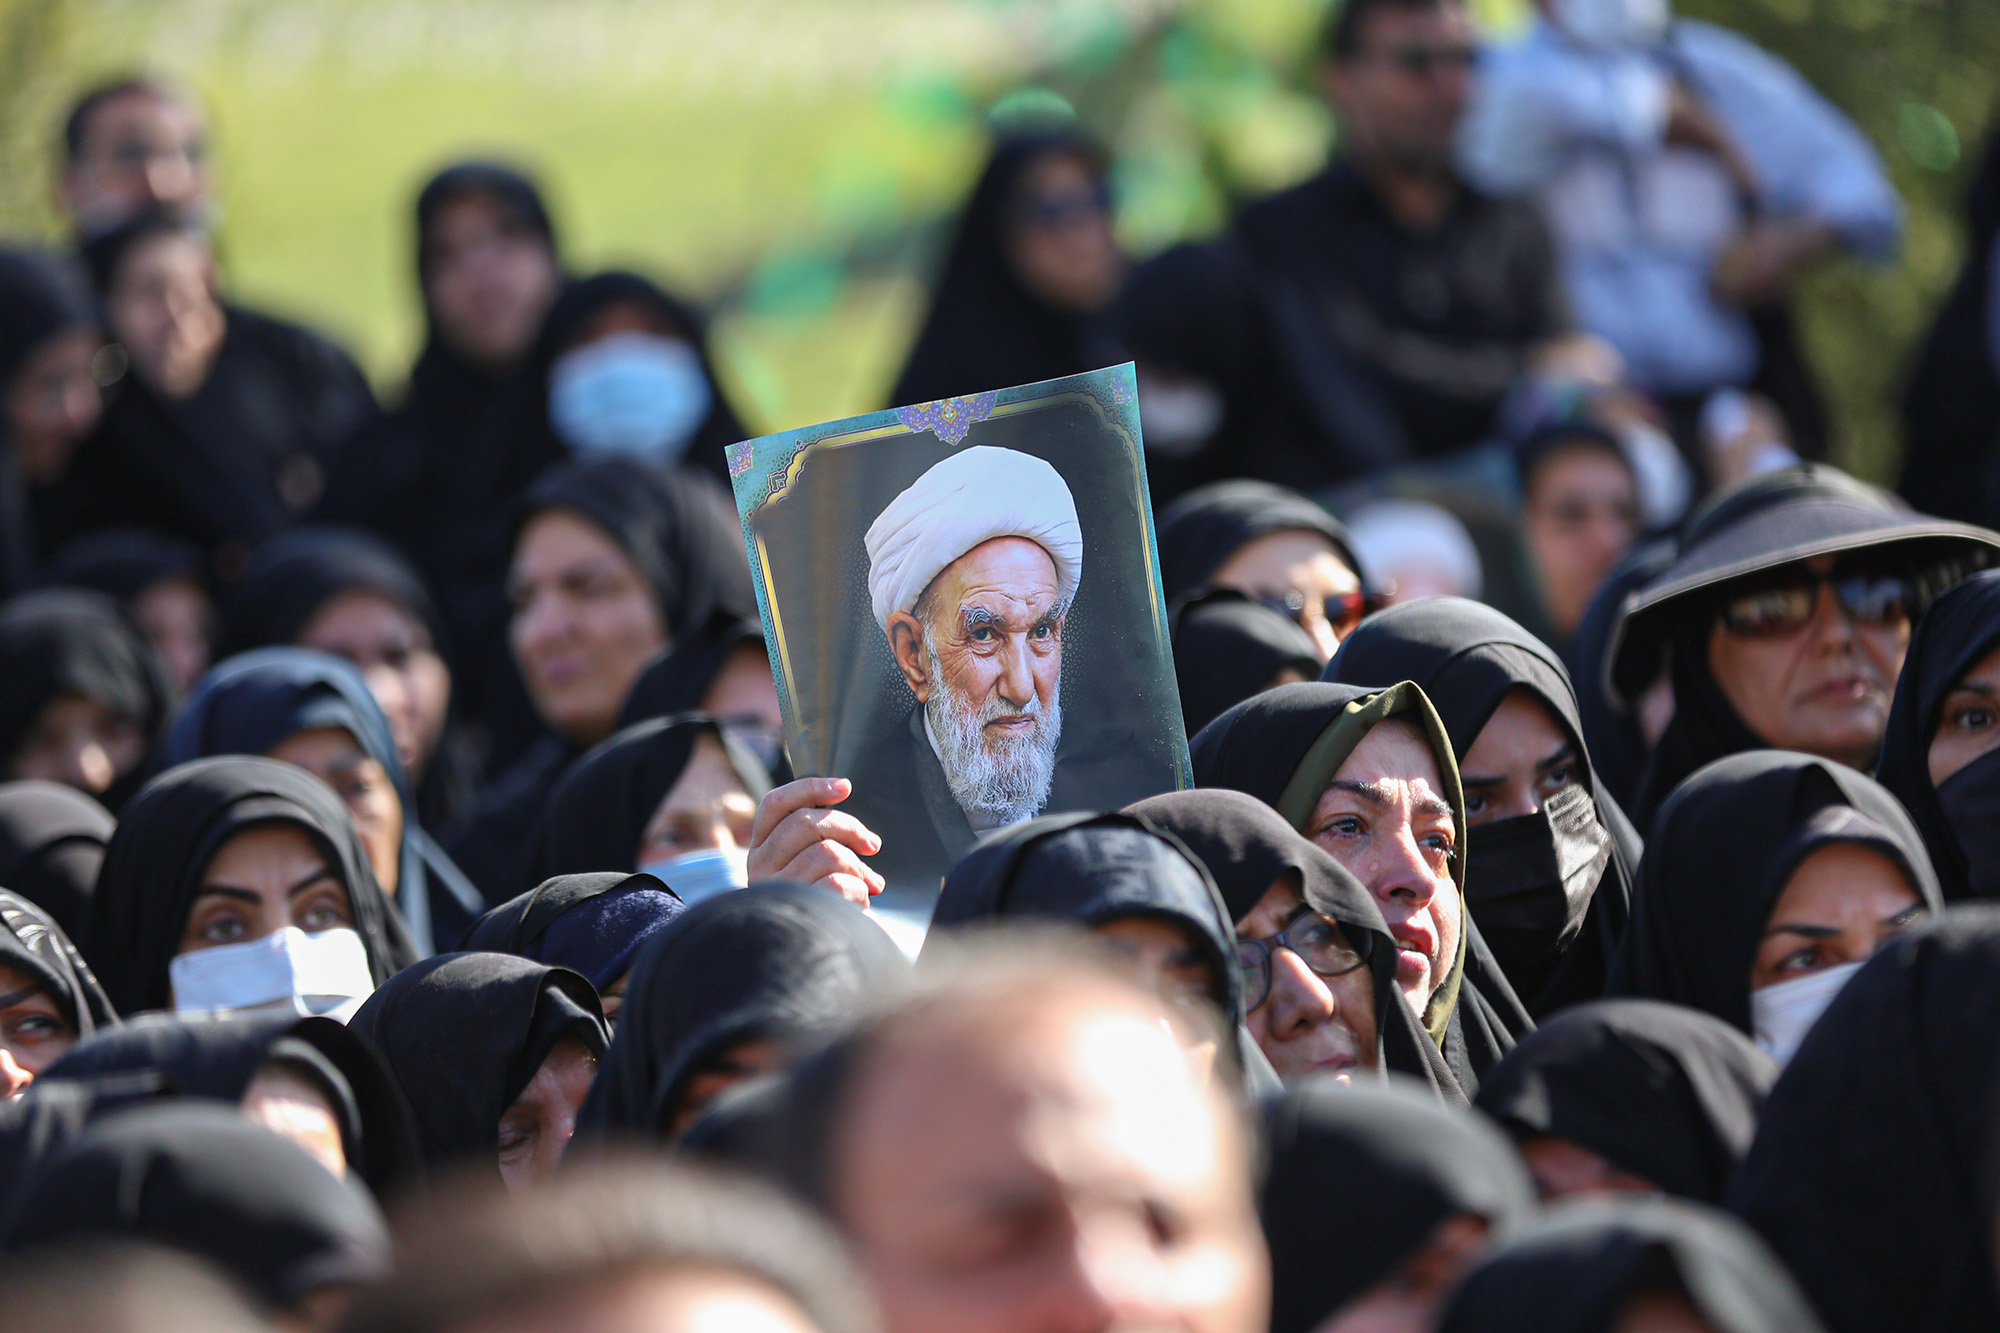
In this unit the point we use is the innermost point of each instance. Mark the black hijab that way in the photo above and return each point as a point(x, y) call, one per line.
point(594, 924)
point(170, 832)
point(1204, 528)
point(122, 563)
point(293, 575)
point(583, 299)
point(1246, 847)
point(254, 702)
point(1778, 519)
point(1575, 1269)
point(1723, 847)
point(1667, 1093)
point(64, 641)
point(464, 1033)
point(200, 1178)
point(218, 1058)
point(1866, 1174)
point(1958, 824)
point(1551, 889)
point(1228, 647)
point(1283, 747)
point(596, 817)
point(1618, 748)
point(1386, 1154)
point(1089, 869)
point(52, 841)
point(33, 944)
point(986, 329)
point(43, 295)
point(678, 681)
point(774, 961)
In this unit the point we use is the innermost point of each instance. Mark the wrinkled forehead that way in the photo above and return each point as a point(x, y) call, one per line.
point(1393, 750)
point(1002, 570)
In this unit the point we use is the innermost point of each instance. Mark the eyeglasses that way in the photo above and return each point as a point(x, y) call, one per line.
point(1343, 610)
point(1785, 606)
point(1419, 61)
point(1064, 208)
point(1316, 941)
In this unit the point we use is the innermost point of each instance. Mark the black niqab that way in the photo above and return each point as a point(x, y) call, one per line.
point(464, 1033)
point(1866, 1173)
point(1388, 1157)
point(773, 962)
point(200, 1178)
point(1666, 1093)
point(596, 817)
point(173, 828)
point(65, 641)
point(1247, 847)
point(1722, 850)
point(52, 841)
point(218, 1058)
point(1467, 657)
point(1575, 1270)
point(986, 329)
point(34, 945)
point(1228, 647)
point(1960, 628)
point(1204, 529)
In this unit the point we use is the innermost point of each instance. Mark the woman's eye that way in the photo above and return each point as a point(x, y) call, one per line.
point(1558, 778)
point(1438, 845)
point(1972, 719)
point(1475, 805)
point(320, 918)
point(1804, 960)
point(223, 930)
point(34, 1027)
point(1345, 826)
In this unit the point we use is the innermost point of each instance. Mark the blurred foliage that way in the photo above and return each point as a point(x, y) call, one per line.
point(795, 162)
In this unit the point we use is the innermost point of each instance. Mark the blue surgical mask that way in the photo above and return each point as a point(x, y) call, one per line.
point(635, 395)
point(698, 875)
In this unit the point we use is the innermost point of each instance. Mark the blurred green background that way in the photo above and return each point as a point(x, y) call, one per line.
point(794, 163)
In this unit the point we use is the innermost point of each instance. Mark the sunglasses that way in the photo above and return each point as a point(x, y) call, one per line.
point(1316, 941)
point(1785, 606)
point(1343, 610)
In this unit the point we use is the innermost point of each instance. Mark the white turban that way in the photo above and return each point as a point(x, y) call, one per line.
point(972, 497)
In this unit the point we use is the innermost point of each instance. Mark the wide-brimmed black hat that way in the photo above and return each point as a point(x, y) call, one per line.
point(1785, 516)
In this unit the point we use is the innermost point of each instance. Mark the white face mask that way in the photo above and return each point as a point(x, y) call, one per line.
point(288, 972)
point(1613, 24)
point(1782, 1013)
point(631, 394)
point(698, 875)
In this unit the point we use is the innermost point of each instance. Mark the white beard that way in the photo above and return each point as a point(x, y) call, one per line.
point(995, 782)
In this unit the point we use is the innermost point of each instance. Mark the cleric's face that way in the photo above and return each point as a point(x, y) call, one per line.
point(996, 629)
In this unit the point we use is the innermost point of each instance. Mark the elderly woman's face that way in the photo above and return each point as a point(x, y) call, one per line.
point(1308, 1023)
point(1384, 816)
point(34, 1032)
point(1821, 686)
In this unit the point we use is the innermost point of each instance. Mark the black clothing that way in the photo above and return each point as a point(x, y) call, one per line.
point(1227, 648)
point(200, 1178)
point(43, 295)
point(1200, 532)
point(123, 563)
point(169, 833)
point(64, 641)
point(596, 817)
point(464, 1033)
point(217, 1058)
point(986, 329)
point(1870, 1172)
point(1778, 519)
point(594, 924)
point(256, 701)
point(1666, 1093)
point(1398, 1162)
point(1618, 748)
point(245, 455)
point(1246, 846)
point(52, 842)
point(34, 945)
point(1283, 747)
point(678, 680)
point(1958, 818)
point(1722, 849)
point(773, 962)
point(1550, 889)
point(1575, 1269)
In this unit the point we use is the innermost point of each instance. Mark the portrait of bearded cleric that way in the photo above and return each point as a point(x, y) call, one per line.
point(967, 625)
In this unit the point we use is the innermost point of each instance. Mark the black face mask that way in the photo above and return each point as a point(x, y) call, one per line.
point(1970, 800)
point(1529, 880)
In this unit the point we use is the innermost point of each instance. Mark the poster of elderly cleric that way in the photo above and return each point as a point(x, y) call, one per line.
point(962, 603)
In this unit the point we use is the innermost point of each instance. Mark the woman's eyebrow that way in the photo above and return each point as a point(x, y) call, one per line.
point(1807, 929)
point(15, 997)
point(322, 873)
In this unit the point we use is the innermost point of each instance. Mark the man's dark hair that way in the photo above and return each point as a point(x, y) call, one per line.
point(481, 1251)
point(1340, 37)
point(76, 127)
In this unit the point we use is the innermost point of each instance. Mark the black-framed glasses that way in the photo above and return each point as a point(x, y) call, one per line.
point(1783, 605)
point(1344, 610)
point(1319, 943)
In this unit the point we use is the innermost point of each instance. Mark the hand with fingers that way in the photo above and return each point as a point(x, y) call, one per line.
point(798, 836)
